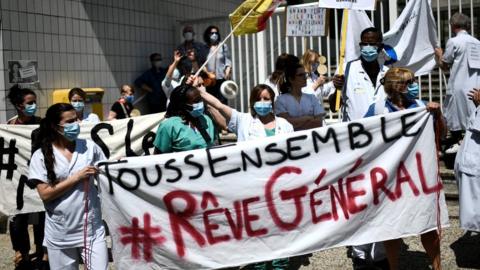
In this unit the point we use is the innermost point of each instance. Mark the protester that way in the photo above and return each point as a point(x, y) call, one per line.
point(189, 44)
point(220, 65)
point(172, 78)
point(463, 77)
point(278, 75)
point(315, 81)
point(122, 108)
point(25, 103)
point(151, 82)
point(63, 171)
point(77, 98)
point(361, 79)
point(185, 127)
point(399, 85)
point(467, 170)
point(302, 110)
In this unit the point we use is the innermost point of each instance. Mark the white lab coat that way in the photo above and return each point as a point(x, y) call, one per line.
point(319, 92)
point(248, 127)
point(360, 90)
point(467, 172)
point(457, 108)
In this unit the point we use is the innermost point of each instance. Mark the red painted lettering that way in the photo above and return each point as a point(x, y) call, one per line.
point(210, 227)
point(179, 220)
point(236, 228)
point(380, 185)
point(353, 207)
point(249, 218)
point(425, 188)
point(342, 200)
point(404, 176)
point(295, 194)
point(318, 218)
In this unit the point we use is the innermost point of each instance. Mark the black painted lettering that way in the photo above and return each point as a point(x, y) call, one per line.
point(407, 125)
point(257, 163)
point(168, 166)
point(188, 161)
point(212, 161)
point(331, 134)
point(271, 148)
point(147, 180)
point(123, 171)
point(355, 130)
point(98, 140)
point(291, 148)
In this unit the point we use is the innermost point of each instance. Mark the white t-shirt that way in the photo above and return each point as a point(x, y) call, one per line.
point(248, 127)
point(65, 215)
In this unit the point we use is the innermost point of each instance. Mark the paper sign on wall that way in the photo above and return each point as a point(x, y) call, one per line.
point(306, 21)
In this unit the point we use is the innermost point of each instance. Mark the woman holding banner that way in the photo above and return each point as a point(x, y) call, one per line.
point(186, 127)
point(25, 103)
point(401, 90)
point(261, 122)
point(63, 171)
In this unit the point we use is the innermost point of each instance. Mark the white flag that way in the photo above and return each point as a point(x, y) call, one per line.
point(357, 22)
point(414, 37)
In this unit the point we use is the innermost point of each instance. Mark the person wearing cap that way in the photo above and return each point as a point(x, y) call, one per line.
point(151, 82)
point(189, 43)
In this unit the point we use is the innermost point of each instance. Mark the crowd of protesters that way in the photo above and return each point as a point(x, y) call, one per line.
point(292, 99)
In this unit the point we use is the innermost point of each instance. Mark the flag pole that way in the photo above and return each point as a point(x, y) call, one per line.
point(227, 37)
point(343, 45)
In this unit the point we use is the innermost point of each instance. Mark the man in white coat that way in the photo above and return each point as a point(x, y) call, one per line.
point(467, 170)
point(464, 76)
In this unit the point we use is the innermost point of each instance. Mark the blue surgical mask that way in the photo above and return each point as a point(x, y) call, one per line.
point(315, 67)
point(78, 105)
point(197, 110)
point(369, 53)
point(263, 108)
point(413, 90)
point(130, 99)
point(71, 131)
point(30, 109)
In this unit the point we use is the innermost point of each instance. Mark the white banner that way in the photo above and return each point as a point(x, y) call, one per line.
point(349, 4)
point(306, 21)
point(119, 138)
point(347, 184)
point(409, 43)
point(413, 37)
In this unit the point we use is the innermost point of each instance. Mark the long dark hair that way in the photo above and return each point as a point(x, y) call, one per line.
point(48, 135)
point(178, 106)
point(206, 35)
point(290, 73)
point(282, 62)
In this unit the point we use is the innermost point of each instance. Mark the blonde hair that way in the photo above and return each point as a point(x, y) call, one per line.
point(306, 62)
point(396, 76)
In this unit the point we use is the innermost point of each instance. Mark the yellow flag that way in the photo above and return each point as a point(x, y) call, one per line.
point(256, 20)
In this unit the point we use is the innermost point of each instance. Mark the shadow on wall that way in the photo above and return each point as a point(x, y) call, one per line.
point(126, 38)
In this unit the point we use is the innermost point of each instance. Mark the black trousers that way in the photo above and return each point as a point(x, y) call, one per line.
point(19, 233)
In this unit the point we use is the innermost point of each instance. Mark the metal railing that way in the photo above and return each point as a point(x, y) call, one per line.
point(254, 55)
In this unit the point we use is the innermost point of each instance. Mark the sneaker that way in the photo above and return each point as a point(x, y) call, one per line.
point(453, 149)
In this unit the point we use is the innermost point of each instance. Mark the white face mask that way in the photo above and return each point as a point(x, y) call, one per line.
point(188, 36)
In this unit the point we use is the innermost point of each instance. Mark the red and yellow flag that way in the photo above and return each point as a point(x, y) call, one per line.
point(256, 20)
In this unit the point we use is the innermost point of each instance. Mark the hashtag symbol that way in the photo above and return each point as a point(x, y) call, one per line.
point(10, 166)
point(137, 237)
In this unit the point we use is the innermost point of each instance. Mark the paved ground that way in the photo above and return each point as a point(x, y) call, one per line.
point(457, 252)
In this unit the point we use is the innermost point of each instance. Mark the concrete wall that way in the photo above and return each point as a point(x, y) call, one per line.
point(93, 43)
